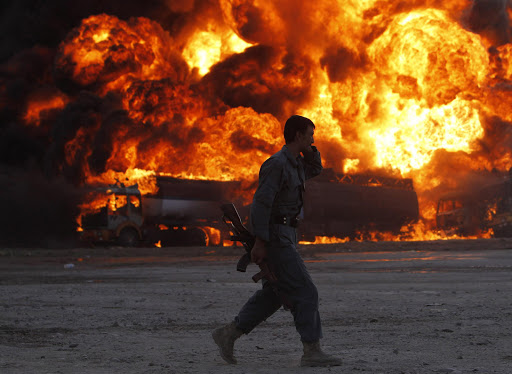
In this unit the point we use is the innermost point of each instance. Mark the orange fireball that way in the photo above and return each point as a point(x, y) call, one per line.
point(395, 89)
point(106, 52)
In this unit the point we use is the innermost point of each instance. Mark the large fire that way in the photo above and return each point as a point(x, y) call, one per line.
point(400, 90)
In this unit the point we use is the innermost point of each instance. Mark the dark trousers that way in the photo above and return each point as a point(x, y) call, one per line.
point(295, 287)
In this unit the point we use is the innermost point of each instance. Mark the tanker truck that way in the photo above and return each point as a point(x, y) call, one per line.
point(182, 212)
point(187, 212)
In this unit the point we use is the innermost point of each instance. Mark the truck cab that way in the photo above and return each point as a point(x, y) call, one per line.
point(457, 214)
point(181, 213)
point(119, 218)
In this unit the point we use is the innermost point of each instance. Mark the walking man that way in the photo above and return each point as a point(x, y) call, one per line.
point(276, 209)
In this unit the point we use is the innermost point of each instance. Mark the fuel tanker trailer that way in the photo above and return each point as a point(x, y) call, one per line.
point(348, 205)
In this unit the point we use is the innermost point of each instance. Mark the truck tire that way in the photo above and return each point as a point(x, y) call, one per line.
point(192, 237)
point(197, 238)
point(128, 237)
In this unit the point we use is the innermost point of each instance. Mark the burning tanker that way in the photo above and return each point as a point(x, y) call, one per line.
point(200, 90)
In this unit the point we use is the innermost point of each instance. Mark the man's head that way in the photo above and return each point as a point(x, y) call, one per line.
point(299, 129)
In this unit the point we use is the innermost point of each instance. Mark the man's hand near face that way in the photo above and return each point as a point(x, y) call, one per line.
point(308, 149)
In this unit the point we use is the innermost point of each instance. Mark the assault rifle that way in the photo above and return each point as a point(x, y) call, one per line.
point(244, 236)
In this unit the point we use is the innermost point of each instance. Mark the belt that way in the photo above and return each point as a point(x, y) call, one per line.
point(285, 220)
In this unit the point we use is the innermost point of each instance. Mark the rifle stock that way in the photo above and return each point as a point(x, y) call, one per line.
point(264, 273)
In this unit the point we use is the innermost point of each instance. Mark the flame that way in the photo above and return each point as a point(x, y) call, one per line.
point(410, 144)
point(146, 179)
point(429, 70)
point(37, 107)
point(413, 232)
point(206, 48)
point(213, 235)
point(107, 52)
point(397, 89)
point(325, 240)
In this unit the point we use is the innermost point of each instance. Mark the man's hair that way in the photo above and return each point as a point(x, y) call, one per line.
point(296, 124)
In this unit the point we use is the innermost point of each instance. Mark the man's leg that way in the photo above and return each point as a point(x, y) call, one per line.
point(300, 291)
point(298, 287)
point(258, 308)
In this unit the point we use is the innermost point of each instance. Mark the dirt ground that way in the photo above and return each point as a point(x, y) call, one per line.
point(424, 307)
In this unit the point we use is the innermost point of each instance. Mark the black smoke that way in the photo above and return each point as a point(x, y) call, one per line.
point(252, 80)
point(37, 211)
point(340, 62)
point(490, 19)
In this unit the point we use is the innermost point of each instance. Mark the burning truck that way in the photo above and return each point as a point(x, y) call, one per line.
point(187, 212)
point(471, 213)
point(182, 212)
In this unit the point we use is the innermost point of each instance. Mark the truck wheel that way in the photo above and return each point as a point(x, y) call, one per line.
point(129, 237)
point(197, 238)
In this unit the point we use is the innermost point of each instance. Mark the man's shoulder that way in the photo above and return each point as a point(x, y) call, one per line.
point(278, 159)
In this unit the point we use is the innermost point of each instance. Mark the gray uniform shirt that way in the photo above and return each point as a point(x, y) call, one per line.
point(280, 189)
